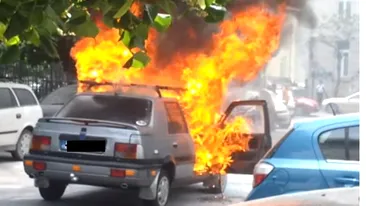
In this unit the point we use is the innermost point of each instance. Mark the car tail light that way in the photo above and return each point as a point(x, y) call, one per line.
point(261, 171)
point(41, 143)
point(39, 166)
point(117, 173)
point(126, 151)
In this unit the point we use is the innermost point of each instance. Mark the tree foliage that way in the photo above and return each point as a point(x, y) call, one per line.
point(40, 25)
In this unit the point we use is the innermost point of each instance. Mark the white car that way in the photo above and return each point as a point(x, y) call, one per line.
point(19, 112)
point(348, 104)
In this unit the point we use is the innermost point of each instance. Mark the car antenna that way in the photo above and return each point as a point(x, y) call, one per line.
point(330, 105)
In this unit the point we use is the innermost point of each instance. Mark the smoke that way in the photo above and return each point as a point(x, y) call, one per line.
point(190, 32)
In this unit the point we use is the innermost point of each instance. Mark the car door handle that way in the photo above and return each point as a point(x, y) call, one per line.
point(347, 180)
point(175, 145)
point(18, 116)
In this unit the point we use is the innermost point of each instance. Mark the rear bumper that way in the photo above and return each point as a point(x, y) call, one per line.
point(96, 173)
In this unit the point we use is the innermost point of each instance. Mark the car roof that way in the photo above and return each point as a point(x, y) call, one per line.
point(15, 85)
point(131, 95)
point(314, 124)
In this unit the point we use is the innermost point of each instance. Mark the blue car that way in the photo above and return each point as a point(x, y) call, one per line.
point(318, 154)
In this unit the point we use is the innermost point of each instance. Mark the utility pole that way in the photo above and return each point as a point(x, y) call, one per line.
point(311, 65)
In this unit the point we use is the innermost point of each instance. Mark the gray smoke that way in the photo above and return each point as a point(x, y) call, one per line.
point(190, 32)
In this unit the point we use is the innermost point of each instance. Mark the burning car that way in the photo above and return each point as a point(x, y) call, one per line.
point(129, 138)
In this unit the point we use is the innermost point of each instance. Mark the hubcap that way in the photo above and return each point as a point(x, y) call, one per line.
point(163, 191)
point(24, 143)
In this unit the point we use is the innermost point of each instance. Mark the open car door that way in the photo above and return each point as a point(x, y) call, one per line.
point(256, 112)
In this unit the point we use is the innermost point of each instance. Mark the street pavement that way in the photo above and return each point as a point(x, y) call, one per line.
point(16, 189)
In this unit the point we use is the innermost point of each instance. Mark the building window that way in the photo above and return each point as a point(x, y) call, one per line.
point(344, 59)
point(344, 9)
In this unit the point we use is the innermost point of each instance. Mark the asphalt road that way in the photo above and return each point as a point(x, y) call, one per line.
point(16, 189)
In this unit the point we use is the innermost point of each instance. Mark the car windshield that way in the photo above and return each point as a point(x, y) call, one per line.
point(109, 108)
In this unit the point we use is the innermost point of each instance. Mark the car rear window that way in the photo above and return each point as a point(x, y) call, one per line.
point(108, 108)
point(274, 149)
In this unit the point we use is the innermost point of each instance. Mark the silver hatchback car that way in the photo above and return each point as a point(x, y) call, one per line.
point(126, 140)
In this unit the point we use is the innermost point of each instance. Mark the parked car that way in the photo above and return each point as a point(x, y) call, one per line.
point(279, 113)
point(304, 105)
point(314, 154)
point(53, 102)
point(129, 141)
point(324, 197)
point(19, 112)
point(348, 104)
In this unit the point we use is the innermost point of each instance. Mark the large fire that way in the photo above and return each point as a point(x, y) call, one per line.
point(241, 48)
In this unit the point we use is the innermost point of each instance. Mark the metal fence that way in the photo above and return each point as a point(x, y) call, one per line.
point(43, 79)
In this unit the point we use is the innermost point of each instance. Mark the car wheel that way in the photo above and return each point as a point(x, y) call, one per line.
point(329, 107)
point(162, 193)
point(219, 184)
point(53, 192)
point(23, 145)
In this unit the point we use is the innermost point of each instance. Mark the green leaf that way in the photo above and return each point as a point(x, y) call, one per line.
point(11, 55)
point(167, 5)
point(103, 5)
point(215, 13)
point(87, 29)
point(17, 25)
point(162, 21)
point(11, 2)
point(150, 13)
point(78, 17)
point(124, 8)
point(48, 26)
point(201, 4)
point(142, 30)
point(140, 60)
point(33, 37)
point(209, 2)
point(36, 17)
point(2, 30)
point(108, 19)
point(49, 47)
point(126, 38)
point(54, 16)
point(13, 41)
point(137, 42)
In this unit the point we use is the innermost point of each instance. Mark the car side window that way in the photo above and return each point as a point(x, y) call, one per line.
point(176, 120)
point(7, 99)
point(25, 97)
point(332, 144)
point(354, 143)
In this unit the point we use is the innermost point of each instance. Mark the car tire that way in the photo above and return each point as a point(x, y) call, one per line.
point(23, 144)
point(219, 186)
point(54, 192)
point(162, 192)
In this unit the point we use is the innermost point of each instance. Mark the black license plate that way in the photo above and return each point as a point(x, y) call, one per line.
point(83, 145)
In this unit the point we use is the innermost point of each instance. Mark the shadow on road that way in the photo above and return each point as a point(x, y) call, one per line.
point(112, 197)
point(6, 157)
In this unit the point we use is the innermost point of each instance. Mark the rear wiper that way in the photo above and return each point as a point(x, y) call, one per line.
point(93, 121)
point(57, 104)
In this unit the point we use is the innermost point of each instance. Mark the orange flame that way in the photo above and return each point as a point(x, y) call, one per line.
point(243, 46)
